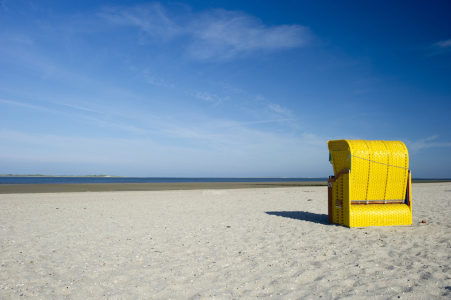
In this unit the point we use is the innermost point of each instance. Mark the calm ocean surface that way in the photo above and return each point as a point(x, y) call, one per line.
point(66, 180)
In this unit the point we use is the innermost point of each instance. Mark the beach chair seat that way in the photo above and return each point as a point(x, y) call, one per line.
point(371, 185)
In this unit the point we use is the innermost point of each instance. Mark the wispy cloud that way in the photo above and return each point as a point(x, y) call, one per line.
point(274, 109)
point(279, 109)
point(238, 152)
point(151, 18)
point(38, 107)
point(15, 103)
point(208, 97)
point(215, 34)
point(440, 47)
point(17, 38)
point(77, 107)
point(159, 82)
point(443, 44)
point(427, 143)
point(237, 137)
point(98, 120)
point(226, 34)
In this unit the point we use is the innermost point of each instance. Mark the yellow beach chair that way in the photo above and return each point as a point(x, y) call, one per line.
point(371, 185)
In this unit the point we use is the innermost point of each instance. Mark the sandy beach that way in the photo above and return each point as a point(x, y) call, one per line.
point(240, 243)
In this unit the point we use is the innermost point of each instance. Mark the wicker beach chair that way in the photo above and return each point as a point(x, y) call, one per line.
point(371, 185)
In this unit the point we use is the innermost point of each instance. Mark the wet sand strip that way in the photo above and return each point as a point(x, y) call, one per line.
point(111, 187)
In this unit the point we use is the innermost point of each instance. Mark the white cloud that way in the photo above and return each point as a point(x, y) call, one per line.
point(205, 96)
point(225, 34)
point(427, 143)
point(215, 34)
point(279, 109)
point(15, 103)
point(443, 44)
point(276, 110)
point(99, 121)
point(440, 47)
point(151, 18)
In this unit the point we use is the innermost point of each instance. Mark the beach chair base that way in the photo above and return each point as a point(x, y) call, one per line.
point(380, 215)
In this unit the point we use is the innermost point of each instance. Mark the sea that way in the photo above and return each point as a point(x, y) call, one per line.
point(75, 180)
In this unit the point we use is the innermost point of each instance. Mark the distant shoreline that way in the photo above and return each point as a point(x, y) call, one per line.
point(194, 177)
point(115, 176)
point(122, 187)
point(39, 175)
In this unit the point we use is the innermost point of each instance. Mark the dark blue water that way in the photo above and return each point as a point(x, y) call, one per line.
point(66, 180)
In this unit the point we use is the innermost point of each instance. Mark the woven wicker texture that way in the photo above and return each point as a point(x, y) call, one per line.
point(378, 172)
point(340, 208)
point(380, 215)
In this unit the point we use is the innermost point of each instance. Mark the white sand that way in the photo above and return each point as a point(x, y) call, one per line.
point(231, 244)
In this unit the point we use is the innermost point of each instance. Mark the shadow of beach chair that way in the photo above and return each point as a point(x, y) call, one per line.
point(371, 185)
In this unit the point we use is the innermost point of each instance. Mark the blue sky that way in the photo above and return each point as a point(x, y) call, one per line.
point(220, 88)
